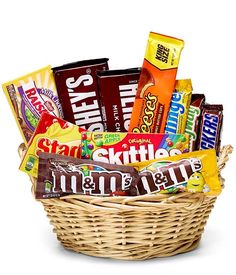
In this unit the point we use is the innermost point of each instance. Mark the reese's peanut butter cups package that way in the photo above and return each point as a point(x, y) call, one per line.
point(31, 95)
point(156, 84)
point(118, 89)
point(52, 135)
point(61, 175)
point(191, 172)
point(78, 92)
point(177, 116)
point(123, 148)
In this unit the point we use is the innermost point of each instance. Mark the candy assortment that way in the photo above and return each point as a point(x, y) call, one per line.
point(94, 131)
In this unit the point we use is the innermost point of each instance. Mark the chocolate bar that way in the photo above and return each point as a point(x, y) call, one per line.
point(78, 92)
point(193, 119)
point(118, 90)
point(210, 127)
point(61, 175)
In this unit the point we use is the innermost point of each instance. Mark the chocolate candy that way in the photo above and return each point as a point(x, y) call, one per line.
point(156, 84)
point(52, 135)
point(210, 127)
point(193, 119)
point(61, 175)
point(31, 95)
point(177, 116)
point(123, 148)
point(194, 172)
point(78, 92)
point(118, 90)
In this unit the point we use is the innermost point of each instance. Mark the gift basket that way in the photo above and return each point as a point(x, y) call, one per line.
point(126, 163)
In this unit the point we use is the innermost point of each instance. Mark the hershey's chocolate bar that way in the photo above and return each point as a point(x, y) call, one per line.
point(78, 92)
point(118, 89)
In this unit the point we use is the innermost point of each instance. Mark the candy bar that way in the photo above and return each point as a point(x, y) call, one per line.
point(117, 90)
point(156, 84)
point(60, 175)
point(78, 92)
point(31, 95)
point(177, 116)
point(52, 135)
point(193, 119)
point(191, 172)
point(123, 148)
point(210, 127)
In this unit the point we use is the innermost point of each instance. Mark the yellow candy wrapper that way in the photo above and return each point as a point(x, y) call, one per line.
point(52, 135)
point(178, 112)
point(31, 95)
point(190, 172)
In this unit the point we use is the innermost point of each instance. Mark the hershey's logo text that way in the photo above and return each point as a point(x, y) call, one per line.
point(87, 116)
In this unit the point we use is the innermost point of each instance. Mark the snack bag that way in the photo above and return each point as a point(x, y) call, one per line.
point(52, 135)
point(192, 172)
point(177, 116)
point(156, 84)
point(31, 95)
point(123, 148)
point(62, 175)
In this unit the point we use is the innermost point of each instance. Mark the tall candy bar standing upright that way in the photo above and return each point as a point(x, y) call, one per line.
point(156, 84)
point(78, 92)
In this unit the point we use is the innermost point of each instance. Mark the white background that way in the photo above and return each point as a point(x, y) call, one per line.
point(38, 33)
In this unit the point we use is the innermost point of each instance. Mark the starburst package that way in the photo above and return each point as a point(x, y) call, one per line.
point(52, 135)
point(191, 172)
point(31, 95)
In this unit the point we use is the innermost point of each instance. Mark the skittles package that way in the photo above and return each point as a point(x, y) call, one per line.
point(123, 148)
point(191, 172)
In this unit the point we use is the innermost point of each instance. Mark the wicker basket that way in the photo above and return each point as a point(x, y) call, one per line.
point(131, 228)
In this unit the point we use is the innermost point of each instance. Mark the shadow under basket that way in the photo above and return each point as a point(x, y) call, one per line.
point(131, 228)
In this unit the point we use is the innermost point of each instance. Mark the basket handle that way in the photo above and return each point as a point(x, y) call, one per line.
point(224, 156)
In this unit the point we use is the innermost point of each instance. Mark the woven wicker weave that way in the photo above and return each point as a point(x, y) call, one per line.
point(131, 228)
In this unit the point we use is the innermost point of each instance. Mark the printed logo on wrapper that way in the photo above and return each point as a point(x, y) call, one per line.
point(123, 148)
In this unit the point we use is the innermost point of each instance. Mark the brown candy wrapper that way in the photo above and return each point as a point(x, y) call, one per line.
point(61, 175)
point(210, 127)
point(193, 120)
point(78, 92)
point(118, 89)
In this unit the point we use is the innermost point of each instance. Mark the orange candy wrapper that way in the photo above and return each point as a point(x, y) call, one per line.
point(156, 84)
